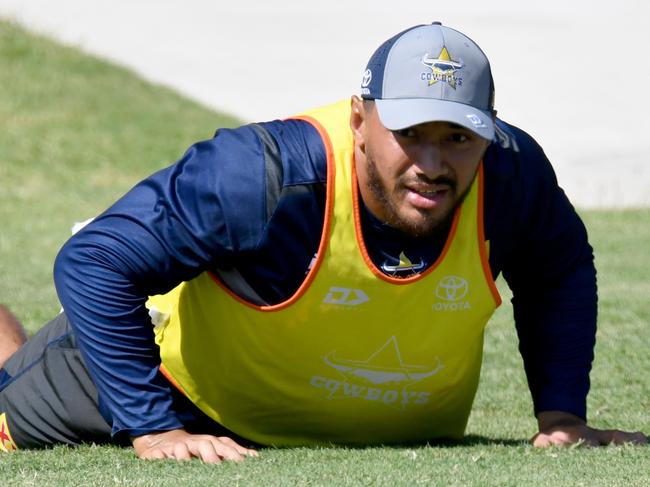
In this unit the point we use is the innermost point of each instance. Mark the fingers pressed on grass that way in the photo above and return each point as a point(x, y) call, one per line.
point(226, 451)
point(181, 452)
point(237, 447)
point(154, 455)
point(207, 452)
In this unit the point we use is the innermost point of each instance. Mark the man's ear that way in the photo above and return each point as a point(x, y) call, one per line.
point(357, 121)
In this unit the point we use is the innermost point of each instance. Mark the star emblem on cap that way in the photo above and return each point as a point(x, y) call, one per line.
point(443, 68)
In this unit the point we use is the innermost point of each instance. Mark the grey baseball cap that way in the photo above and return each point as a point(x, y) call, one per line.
point(431, 73)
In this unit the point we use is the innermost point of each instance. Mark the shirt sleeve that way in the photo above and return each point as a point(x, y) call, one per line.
point(549, 267)
point(170, 227)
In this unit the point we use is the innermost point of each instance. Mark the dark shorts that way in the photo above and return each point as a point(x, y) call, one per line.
point(47, 397)
point(46, 394)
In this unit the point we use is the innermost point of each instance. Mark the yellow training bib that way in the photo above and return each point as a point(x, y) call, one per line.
point(354, 356)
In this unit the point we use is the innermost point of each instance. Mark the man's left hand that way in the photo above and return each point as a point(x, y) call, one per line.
point(560, 428)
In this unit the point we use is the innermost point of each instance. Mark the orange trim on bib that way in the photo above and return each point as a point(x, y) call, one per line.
point(167, 374)
point(329, 206)
point(485, 260)
point(364, 250)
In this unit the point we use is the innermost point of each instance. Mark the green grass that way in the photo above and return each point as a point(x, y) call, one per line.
point(77, 132)
point(480, 465)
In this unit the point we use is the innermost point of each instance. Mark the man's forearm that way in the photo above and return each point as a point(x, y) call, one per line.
point(115, 336)
point(557, 334)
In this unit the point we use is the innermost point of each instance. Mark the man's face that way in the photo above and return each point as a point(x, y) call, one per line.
point(413, 179)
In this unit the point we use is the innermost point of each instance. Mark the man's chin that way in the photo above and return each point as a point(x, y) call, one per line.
point(424, 224)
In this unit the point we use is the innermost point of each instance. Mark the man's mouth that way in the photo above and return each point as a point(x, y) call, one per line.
point(426, 198)
point(428, 192)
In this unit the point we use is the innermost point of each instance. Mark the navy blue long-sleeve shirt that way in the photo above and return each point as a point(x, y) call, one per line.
point(253, 199)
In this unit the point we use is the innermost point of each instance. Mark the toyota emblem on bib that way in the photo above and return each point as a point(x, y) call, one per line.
point(452, 288)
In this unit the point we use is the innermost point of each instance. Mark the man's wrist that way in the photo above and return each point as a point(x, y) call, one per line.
point(149, 439)
point(547, 420)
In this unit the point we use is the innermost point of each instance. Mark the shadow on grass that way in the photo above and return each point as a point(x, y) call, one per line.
point(467, 441)
point(476, 440)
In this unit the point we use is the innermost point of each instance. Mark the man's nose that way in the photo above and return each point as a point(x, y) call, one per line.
point(430, 161)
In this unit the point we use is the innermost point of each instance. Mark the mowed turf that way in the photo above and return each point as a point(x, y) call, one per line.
point(77, 132)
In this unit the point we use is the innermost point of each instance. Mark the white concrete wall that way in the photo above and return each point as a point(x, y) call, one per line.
point(573, 73)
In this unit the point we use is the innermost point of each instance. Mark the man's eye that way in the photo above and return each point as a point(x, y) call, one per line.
point(406, 133)
point(459, 138)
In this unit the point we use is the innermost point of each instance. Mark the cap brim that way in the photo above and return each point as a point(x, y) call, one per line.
point(399, 113)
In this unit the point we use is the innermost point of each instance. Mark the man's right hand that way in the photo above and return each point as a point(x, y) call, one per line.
point(181, 445)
